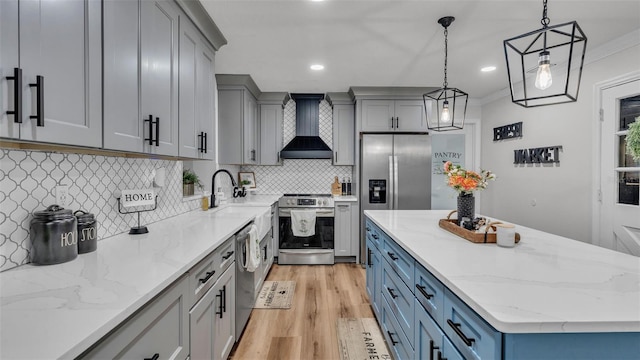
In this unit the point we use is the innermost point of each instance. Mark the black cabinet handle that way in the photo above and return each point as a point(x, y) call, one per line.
point(201, 138)
point(392, 293)
point(393, 342)
point(392, 256)
point(369, 257)
point(392, 122)
point(253, 155)
point(456, 328)
point(157, 140)
point(397, 122)
point(440, 356)
point(224, 299)
point(375, 236)
point(39, 85)
point(17, 95)
point(368, 228)
point(155, 356)
point(227, 255)
point(150, 121)
point(205, 142)
point(432, 347)
point(220, 308)
point(423, 291)
point(209, 275)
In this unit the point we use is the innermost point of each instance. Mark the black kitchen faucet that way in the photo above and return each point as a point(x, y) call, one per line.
point(236, 191)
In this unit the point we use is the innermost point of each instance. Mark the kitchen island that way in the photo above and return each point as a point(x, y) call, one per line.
point(547, 297)
point(59, 311)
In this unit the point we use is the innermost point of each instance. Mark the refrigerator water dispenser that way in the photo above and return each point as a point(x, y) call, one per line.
point(377, 191)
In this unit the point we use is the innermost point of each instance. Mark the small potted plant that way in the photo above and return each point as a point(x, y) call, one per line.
point(189, 181)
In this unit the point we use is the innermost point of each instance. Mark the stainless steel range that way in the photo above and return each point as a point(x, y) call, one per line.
point(306, 250)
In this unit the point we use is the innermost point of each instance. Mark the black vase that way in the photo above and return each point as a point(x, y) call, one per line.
point(466, 206)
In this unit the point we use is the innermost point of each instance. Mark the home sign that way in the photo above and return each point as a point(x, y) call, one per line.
point(138, 197)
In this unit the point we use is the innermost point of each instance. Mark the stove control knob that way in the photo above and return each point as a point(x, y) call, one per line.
point(322, 202)
point(289, 202)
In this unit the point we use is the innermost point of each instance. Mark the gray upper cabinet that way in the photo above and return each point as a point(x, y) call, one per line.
point(237, 120)
point(344, 123)
point(393, 115)
point(56, 47)
point(197, 94)
point(271, 121)
point(141, 76)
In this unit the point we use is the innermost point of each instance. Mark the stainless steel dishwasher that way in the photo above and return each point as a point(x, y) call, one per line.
point(245, 294)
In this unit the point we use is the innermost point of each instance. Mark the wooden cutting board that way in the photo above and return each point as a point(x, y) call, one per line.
point(336, 187)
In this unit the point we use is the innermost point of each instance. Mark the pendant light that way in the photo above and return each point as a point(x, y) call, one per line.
point(554, 55)
point(445, 107)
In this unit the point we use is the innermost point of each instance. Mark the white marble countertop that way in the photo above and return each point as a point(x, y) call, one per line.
point(255, 200)
point(545, 284)
point(58, 311)
point(346, 198)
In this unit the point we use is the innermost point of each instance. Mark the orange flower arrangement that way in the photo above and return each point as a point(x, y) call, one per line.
point(466, 181)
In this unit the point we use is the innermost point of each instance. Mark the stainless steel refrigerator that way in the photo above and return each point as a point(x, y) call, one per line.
point(395, 174)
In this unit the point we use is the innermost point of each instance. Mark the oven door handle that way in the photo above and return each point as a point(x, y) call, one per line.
point(319, 213)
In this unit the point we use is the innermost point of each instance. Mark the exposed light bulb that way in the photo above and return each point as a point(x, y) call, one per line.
point(445, 116)
point(543, 77)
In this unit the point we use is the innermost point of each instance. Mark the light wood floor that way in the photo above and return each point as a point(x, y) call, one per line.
point(307, 330)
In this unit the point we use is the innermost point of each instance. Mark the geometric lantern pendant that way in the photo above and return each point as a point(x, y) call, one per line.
point(445, 107)
point(545, 66)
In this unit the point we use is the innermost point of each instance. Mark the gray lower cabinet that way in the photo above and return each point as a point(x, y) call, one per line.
point(342, 229)
point(197, 94)
point(161, 327)
point(212, 320)
point(346, 229)
point(141, 76)
point(54, 89)
point(237, 120)
point(393, 115)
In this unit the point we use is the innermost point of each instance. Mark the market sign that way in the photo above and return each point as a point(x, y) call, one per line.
point(541, 155)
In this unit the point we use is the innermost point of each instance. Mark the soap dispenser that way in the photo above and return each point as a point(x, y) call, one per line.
point(219, 197)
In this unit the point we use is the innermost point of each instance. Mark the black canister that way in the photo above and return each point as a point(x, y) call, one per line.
point(87, 232)
point(54, 236)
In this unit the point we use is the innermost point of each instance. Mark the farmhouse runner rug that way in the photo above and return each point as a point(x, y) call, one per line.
point(361, 339)
point(275, 295)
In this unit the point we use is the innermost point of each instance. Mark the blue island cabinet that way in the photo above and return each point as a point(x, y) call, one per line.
point(438, 325)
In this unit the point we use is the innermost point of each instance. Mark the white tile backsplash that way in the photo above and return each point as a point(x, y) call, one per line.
point(301, 175)
point(28, 180)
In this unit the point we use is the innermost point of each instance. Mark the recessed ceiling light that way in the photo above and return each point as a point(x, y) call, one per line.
point(317, 67)
point(488, 68)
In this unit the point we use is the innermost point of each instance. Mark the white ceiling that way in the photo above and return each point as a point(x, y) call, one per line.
point(393, 42)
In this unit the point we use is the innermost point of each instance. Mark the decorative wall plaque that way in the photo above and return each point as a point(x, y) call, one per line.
point(541, 155)
point(507, 132)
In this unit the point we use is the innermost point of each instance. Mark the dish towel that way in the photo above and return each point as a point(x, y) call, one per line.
point(253, 250)
point(303, 222)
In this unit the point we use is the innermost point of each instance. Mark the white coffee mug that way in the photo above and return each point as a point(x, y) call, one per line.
point(505, 235)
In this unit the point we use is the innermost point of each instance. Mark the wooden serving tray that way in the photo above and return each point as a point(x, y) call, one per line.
point(486, 237)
